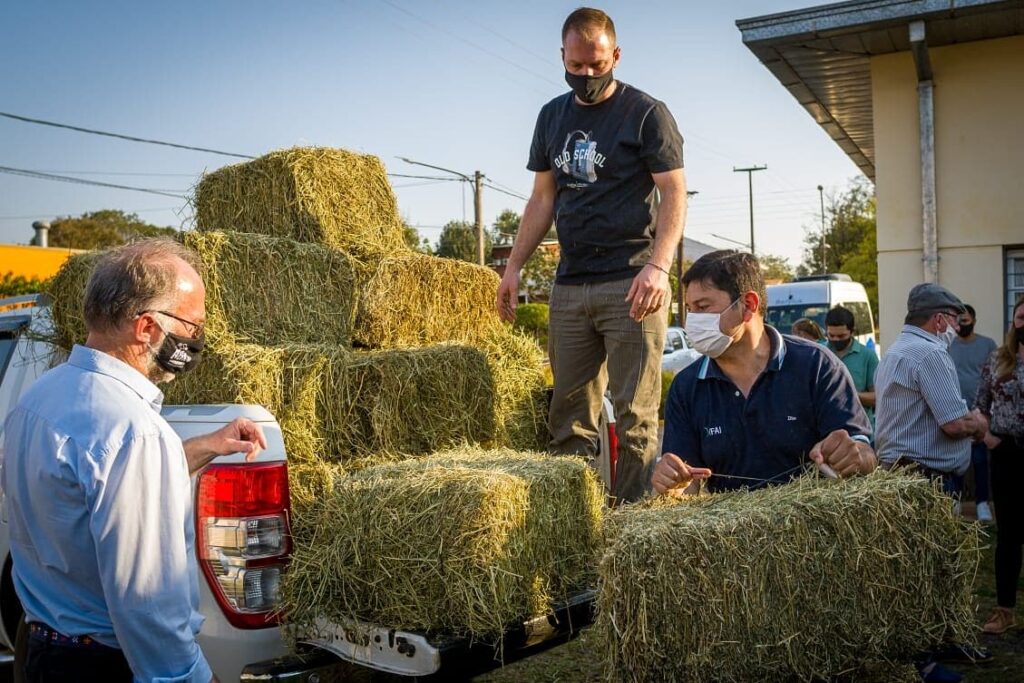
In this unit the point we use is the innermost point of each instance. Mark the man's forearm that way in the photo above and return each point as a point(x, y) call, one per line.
point(197, 453)
point(671, 219)
point(869, 461)
point(867, 398)
point(535, 224)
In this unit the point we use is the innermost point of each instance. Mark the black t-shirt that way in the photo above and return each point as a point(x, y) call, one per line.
point(603, 156)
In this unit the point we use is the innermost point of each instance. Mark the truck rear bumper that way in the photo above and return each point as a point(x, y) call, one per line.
point(317, 666)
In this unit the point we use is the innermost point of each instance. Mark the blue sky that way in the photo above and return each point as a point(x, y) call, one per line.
point(455, 84)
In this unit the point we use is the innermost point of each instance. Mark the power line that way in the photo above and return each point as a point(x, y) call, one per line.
point(80, 181)
point(120, 136)
point(475, 46)
point(51, 214)
point(510, 194)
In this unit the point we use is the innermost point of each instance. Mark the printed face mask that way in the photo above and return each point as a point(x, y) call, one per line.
point(589, 88)
point(705, 332)
point(178, 354)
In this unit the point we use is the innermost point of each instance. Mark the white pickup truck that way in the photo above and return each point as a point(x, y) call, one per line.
point(243, 544)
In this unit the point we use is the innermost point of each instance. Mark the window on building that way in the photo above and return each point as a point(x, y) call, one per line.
point(1014, 281)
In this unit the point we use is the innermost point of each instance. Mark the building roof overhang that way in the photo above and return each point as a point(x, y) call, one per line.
point(822, 54)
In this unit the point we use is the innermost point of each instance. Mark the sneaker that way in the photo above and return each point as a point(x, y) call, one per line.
point(984, 512)
point(1001, 621)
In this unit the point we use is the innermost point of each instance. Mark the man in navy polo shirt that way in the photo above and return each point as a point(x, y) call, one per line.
point(760, 405)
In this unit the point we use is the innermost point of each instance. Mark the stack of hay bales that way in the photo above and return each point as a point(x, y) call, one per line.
point(369, 353)
point(808, 581)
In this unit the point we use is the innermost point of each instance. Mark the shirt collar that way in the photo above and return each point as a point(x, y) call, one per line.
point(709, 368)
point(92, 360)
point(918, 332)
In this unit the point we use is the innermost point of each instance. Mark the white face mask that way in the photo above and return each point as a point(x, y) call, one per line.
point(948, 335)
point(704, 331)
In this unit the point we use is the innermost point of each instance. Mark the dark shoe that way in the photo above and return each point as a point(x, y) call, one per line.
point(933, 672)
point(955, 652)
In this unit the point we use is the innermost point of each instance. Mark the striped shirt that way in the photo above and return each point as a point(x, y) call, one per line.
point(916, 392)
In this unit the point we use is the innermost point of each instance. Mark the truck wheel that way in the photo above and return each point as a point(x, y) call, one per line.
point(20, 652)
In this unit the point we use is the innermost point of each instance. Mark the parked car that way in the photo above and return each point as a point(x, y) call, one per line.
point(678, 353)
point(242, 516)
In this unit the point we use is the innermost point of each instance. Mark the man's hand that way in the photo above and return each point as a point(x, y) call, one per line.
point(672, 474)
point(508, 295)
point(649, 292)
point(239, 436)
point(843, 453)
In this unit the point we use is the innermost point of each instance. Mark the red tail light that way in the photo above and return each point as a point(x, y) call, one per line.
point(244, 538)
point(613, 453)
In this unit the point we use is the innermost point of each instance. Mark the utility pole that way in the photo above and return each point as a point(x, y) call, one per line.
point(478, 203)
point(824, 263)
point(750, 184)
point(478, 211)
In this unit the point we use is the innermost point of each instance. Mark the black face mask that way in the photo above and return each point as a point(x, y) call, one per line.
point(966, 330)
point(179, 354)
point(1020, 335)
point(841, 344)
point(589, 88)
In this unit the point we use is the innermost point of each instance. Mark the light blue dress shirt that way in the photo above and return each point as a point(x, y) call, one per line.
point(99, 504)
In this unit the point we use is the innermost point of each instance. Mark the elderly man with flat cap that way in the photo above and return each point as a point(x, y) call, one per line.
point(921, 418)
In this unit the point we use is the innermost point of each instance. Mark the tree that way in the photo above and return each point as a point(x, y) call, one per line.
point(538, 274)
point(413, 239)
point(16, 285)
point(775, 268)
point(506, 227)
point(458, 241)
point(102, 229)
point(851, 239)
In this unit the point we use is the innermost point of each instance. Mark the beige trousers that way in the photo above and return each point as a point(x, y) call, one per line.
point(593, 343)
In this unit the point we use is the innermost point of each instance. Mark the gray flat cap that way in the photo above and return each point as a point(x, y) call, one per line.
point(932, 297)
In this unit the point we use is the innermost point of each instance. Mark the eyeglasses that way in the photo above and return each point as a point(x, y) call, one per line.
point(195, 330)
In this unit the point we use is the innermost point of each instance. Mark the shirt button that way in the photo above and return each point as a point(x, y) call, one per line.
point(737, 393)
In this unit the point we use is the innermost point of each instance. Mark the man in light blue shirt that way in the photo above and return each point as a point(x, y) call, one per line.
point(97, 483)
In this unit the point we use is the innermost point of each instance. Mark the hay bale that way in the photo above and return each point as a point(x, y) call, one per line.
point(311, 194)
point(801, 582)
point(520, 403)
point(465, 542)
point(268, 290)
point(67, 290)
point(416, 300)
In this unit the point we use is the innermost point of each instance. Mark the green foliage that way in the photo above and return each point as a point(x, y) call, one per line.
point(666, 382)
point(458, 241)
point(102, 229)
point(413, 240)
point(533, 319)
point(539, 273)
point(775, 267)
point(16, 285)
point(851, 239)
point(506, 227)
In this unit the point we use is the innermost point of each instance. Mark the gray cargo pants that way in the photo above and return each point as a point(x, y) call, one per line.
point(594, 342)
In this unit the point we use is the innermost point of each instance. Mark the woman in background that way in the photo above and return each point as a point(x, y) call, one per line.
point(809, 330)
point(1001, 401)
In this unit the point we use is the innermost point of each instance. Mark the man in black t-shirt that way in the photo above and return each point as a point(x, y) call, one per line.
point(598, 153)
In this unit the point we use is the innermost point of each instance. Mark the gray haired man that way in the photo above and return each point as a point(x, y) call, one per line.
point(920, 416)
point(97, 482)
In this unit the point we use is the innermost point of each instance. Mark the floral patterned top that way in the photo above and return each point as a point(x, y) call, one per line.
point(1002, 400)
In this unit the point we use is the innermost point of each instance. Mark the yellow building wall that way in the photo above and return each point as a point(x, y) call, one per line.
point(32, 262)
point(979, 151)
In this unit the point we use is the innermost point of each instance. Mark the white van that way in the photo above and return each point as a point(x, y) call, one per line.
point(812, 297)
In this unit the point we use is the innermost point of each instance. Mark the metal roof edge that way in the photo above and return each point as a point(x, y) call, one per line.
point(852, 14)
